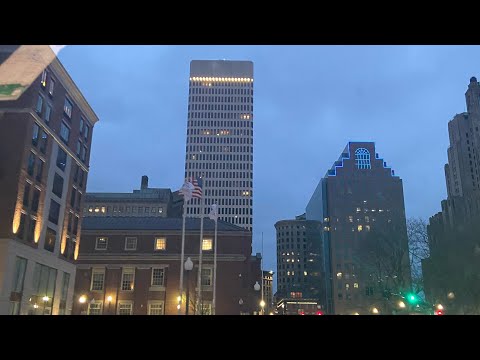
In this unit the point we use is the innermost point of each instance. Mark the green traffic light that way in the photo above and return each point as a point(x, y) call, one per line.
point(411, 298)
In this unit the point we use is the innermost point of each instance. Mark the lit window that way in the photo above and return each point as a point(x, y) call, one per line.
point(51, 87)
point(347, 287)
point(90, 209)
point(359, 227)
point(350, 218)
point(43, 81)
point(305, 273)
point(124, 308)
point(367, 227)
point(67, 108)
point(206, 244)
point(128, 276)
point(355, 285)
point(367, 219)
point(358, 209)
point(160, 243)
point(130, 243)
point(339, 275)
point(103, 209)
point(98, 277)
point(101, 243)
point(158, 277)
point(362, 159)
point(95, 308)
point(288, 273)
point(155, 308)
point(97, 209)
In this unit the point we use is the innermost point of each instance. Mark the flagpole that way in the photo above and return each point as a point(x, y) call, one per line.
point(214, 307)
point(182, 256)
point(199, 278)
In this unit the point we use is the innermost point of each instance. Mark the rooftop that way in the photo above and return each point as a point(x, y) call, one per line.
point(154, 223)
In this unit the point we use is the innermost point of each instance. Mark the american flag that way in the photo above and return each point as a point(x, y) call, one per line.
point(198, 185)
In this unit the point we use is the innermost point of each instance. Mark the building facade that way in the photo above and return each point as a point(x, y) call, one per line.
point(220, 137)
point(299, 306)
point(299, 259)
point(144, 202)
point(453, 231)
point(47, 135)
point(360, 203)
point(130, 266)
point(268, 291)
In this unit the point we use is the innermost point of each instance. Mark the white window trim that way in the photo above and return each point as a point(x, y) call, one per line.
point(156, 302)
point(136, 243)
point(155, 243)
point(206, 287)
point(96, 302)
point(125, 302)
point(121, 279)
point(158, 287)
point(98, 271)
point(96, 242)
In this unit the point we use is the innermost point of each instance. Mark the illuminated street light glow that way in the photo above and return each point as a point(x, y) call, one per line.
point(375, 310)
point(45, 298)
point(440, 307)
point(401, 304)
point(262, 304)
point(109, 299)
point(82, 299)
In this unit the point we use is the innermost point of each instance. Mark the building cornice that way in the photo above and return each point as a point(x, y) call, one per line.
point(85, 261)
point(73, 91)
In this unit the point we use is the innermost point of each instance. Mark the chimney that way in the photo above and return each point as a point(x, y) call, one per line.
point(144, 182)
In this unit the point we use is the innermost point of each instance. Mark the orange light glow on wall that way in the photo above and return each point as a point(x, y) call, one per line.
point(16, 220)
point(38, 229)
point(77, 245)
point(63, 245)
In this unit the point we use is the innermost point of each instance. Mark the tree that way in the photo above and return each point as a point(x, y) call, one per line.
point(418, 250)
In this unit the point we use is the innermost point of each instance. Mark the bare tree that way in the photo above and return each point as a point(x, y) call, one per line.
point(418, 250)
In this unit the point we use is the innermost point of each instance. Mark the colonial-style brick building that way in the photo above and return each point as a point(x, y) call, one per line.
point(131, 266)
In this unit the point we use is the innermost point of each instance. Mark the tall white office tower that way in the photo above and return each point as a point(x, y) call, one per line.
point(220, 137)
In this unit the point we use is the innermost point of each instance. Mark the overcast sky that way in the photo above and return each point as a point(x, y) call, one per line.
point(309, 102)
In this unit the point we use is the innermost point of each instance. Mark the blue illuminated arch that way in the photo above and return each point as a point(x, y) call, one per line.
point(362, 158)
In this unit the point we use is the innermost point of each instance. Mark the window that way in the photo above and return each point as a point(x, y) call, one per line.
point(73, 196)
point(31, 230)
point(39, 170)
point(206, 277)
point(19, 274)
point(43, 142)
point(95, 308)
point(155, 308)
point(61, 159)
point(57, 188)
point(362, 158)
point(35, 133)
point(79, 147)
point(101, 243)
point(158, 277)
point(206, 308)
point(80, 129)
point(160, 243)
point(43, 80)
point(54, 212)
point(86, 132)
point(51, 87)
point(50, 238)
point(67, 108)
point(124, 308)
point(43, 284)
point(128, 276)
point(355, 285)
point(26, 194)
point(98, 278)
point(359, 227)
point(207, 244)
point(83, 154)
point(39, 106)
point(35, 199)
point(48, 113)
point(31, 163)
point(64, 132)
point(130, 243)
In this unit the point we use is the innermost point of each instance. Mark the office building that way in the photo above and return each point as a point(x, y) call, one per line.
point(140, 203)
point(360, 203)
point(45, 141)
point(220, 137)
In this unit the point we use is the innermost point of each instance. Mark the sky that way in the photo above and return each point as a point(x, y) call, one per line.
point(309, 101)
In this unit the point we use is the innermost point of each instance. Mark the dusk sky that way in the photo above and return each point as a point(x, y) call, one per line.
point(309, 101)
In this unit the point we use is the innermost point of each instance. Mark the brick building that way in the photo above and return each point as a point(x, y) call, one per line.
point(45, 141)
point(130, 265)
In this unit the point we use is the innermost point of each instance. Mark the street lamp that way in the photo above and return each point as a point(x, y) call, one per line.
point(240, 303)
point(109, 301)
point(401, 305)
point(45, 300)
point(82, 300)
point(188, 268)
point(375, 310)
point(257, 287)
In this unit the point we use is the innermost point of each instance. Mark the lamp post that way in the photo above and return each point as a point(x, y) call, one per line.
point(45, 300)
point(109, 301)
point(188, 268)
point(257, 287)
point(240, 303)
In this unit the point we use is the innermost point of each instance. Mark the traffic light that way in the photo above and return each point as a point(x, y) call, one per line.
point(438, 312)
point(319, 312)
point(411, 298)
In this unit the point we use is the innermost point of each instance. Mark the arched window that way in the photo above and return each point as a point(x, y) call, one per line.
point(362, 159)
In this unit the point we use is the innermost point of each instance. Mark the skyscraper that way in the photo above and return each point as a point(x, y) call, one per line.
point(453, 232)
point(365, 246)
point(220, 137)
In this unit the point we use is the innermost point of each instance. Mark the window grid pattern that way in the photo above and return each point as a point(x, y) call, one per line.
point(158, 277)
point(127, 279)
point(98, 277)
point(95, 308)
point(124, 309)
point(155, 309)
point(362, 159)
